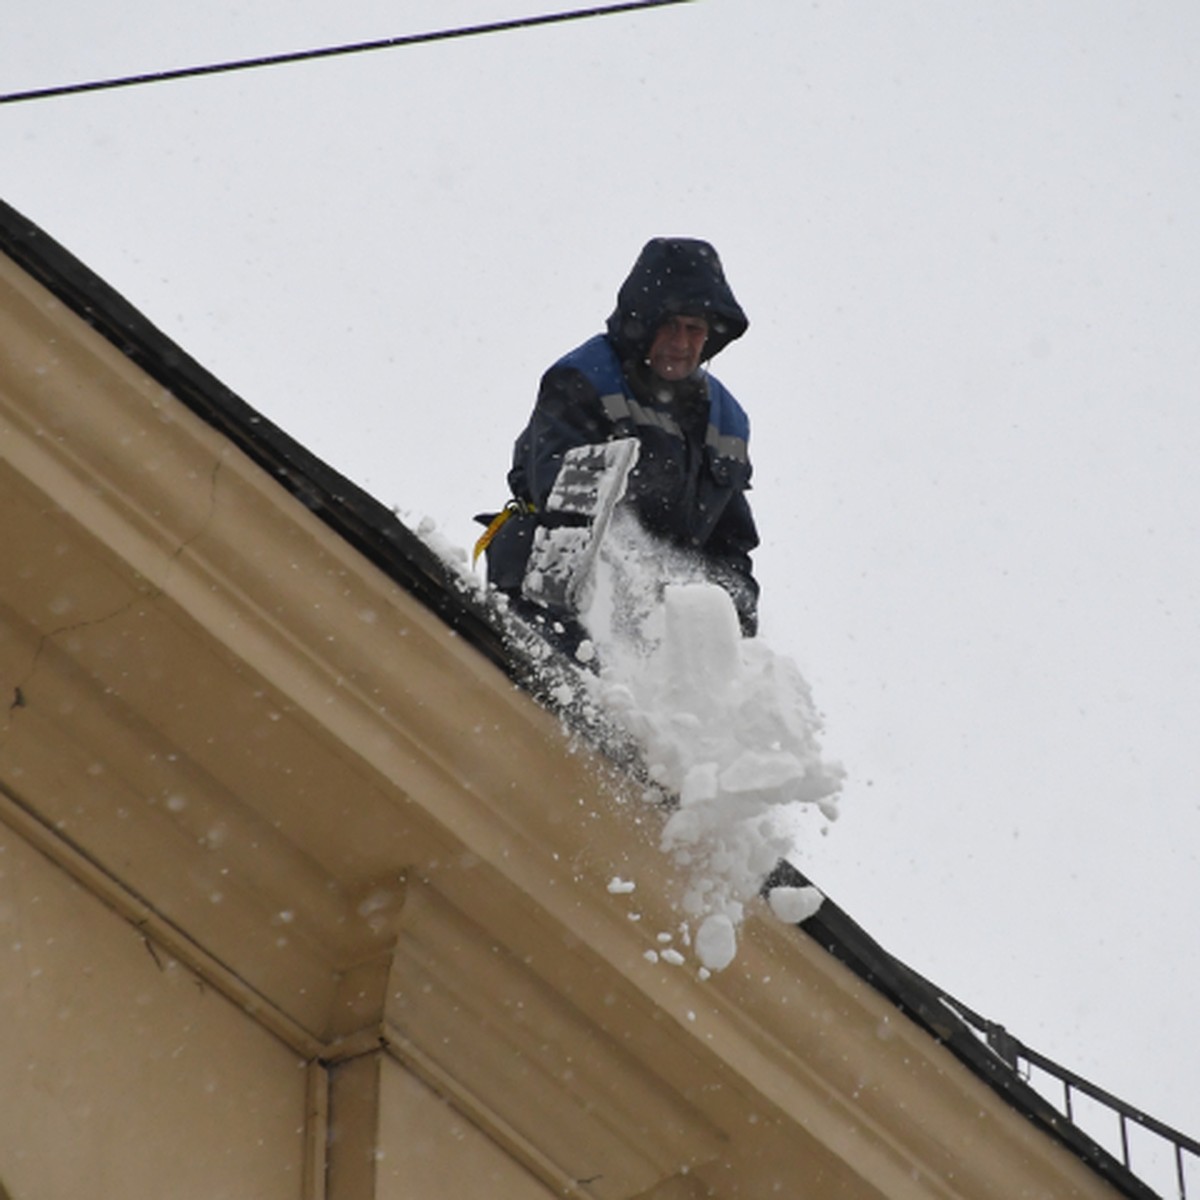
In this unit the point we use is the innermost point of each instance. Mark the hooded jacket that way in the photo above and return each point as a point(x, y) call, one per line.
point(689, 485)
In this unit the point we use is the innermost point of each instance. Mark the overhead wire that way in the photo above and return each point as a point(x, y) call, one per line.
point(296, 56)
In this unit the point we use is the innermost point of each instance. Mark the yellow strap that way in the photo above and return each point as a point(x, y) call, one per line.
point(485, 538)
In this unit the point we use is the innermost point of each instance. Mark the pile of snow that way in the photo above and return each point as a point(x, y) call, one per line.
point(726, 728)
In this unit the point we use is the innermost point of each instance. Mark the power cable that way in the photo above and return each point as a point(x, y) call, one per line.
point(274, 60)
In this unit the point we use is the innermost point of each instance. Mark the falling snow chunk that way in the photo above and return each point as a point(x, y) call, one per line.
point(794, 904)
point(620, 887)
point(716, 942)
point(762, 771)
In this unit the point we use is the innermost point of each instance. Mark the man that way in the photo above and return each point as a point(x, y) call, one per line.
point(645, 378)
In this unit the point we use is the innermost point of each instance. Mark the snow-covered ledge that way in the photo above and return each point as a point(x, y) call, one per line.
point(300, 784)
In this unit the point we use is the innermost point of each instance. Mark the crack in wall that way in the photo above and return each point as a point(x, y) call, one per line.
point(20, 697)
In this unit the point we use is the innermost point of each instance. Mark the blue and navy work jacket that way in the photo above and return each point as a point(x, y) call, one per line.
point(688, 487)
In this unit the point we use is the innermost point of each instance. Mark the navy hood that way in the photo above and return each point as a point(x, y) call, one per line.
point(675, 277)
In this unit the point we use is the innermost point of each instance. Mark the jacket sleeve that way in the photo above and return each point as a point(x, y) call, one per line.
point(568, 413)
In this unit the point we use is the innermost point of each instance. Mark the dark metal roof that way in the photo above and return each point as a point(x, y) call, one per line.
point(376, 532)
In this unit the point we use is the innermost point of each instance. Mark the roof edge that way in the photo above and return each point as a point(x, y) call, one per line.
point(359, 518)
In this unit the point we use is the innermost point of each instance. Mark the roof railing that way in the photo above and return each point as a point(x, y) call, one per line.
point(1145, 1160)
point(1182, 1151)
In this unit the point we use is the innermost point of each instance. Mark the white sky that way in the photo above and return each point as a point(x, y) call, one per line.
point(966, 238)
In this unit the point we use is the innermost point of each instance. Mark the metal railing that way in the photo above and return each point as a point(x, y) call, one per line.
point(1136, 1153)
point(1183, 1151)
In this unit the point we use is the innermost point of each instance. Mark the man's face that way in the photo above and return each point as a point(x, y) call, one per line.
point(677, 346)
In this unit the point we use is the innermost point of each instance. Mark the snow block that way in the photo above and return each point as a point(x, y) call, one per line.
point(702, 642)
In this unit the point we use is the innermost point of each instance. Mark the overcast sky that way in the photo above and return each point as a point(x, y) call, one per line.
point(966, 237)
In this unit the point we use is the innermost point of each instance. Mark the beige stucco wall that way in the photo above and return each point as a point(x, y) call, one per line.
point(428, 1149)
point(121, 1074)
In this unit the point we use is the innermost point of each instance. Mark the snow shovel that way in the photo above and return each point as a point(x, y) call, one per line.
point(578, 510)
